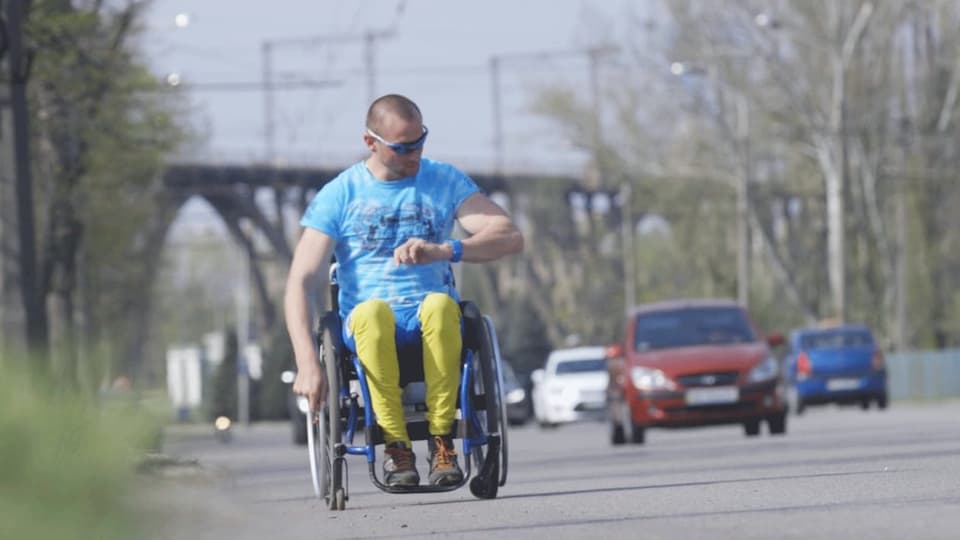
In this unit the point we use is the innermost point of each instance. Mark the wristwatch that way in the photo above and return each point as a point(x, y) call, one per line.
point(457, 247)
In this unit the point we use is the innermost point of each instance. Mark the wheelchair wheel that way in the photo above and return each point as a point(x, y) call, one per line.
point(502, 404)
point(330, 423)
point(490, 459)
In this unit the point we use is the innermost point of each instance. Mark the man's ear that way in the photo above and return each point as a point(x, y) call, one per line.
point(369, 141)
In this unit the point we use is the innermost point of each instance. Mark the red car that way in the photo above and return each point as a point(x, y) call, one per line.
point(689, 363)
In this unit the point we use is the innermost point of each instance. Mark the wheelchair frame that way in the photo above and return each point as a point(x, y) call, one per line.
point(481, 422)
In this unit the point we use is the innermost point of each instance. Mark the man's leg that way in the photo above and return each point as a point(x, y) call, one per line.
point(442, 344)
point(372, 328)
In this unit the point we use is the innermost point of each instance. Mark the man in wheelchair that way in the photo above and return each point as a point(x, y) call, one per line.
point(388, 222)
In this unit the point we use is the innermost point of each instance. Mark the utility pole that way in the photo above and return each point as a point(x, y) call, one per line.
point(742, 186)
point(269, 138)
point(743, 201)
point(497, 115)
point(268, 85)
point(243, 301)
point(15, 170)
point(594, 55)
point(626, 231)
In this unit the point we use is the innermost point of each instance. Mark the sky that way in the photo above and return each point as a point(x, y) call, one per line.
point(436, 52)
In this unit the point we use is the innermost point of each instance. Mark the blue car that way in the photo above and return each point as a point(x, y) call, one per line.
point(841, 365)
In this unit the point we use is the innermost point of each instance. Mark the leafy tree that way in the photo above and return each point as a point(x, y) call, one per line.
point(277, 358)
point(522, 336)
point(102, 126)
point(223, 386)
point(846, 147)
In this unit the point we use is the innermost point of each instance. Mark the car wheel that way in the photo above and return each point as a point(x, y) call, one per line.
point(617, 436)
point(865, 404)
point(777, 424)
point(882, 402)
point(637, 434)
point(751, 428)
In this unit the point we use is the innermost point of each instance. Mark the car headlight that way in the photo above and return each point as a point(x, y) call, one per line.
point(764, 371)
point(650, 379)
point(516, 395)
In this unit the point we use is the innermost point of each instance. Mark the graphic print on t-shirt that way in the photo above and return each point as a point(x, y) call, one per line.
point(382, 228)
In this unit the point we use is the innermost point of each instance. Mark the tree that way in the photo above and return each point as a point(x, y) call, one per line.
point(851, 133)
point(103, 125)
point(523, 340)
point(223, 386)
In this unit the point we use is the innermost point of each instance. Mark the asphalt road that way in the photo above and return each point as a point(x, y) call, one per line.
point(837, 473)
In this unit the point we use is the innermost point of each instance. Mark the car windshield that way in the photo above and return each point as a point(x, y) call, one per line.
point(835, 338)
point(581, 366)
point(691, 327)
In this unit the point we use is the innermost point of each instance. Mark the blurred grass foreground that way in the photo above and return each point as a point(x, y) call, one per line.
point(67, 461)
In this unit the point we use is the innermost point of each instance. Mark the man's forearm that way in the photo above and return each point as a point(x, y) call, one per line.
point(298, 311)
point(492, 243)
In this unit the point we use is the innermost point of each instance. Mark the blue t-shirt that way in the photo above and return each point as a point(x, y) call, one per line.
point(369, 218)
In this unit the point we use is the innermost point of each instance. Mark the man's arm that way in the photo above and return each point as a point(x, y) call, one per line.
point(308, 272)
point(492, 233)
point(492, 236)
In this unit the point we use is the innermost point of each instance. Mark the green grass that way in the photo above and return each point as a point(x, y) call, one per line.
point(67, 465)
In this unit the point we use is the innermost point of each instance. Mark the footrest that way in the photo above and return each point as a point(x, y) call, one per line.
point(418, 431)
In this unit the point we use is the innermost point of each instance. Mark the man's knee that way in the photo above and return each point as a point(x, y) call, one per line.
point(441, 306)
point(372, 318)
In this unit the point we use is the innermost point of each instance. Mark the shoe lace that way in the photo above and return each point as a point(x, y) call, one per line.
point(402, 457)
point(443, 454)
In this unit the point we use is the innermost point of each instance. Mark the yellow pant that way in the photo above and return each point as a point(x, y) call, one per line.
point(372, 324)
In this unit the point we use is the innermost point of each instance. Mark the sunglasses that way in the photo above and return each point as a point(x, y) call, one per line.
point(402, 147)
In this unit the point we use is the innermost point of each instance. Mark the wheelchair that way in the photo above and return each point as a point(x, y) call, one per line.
point(480, 422)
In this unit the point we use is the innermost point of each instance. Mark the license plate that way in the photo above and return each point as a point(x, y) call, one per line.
point(712, 396)
point(843, 384)
point(593, 397)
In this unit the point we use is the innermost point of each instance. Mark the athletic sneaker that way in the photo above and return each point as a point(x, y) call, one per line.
point(398, 466)
point(444, 470)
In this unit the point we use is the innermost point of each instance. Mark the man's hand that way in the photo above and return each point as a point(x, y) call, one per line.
point(419, 251)
point(312, 384)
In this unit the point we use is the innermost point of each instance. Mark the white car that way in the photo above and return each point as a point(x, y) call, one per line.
point(571, 386)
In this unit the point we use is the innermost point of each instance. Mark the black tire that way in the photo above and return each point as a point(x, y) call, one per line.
point(489, 380)
point(865, 404)
point(485, 487)
point(882, 402)
point(777, 424)
point(485, 383)
point(638, 435)
point(751, 428)
point(493, 348)
point(331, 474)
point(617, 435)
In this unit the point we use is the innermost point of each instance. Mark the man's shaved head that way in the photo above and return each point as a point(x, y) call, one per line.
point(391, 104)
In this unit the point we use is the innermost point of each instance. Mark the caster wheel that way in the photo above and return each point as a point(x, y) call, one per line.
point(484, 488)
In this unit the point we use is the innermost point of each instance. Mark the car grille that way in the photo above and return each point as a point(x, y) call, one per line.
point(724, 378)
